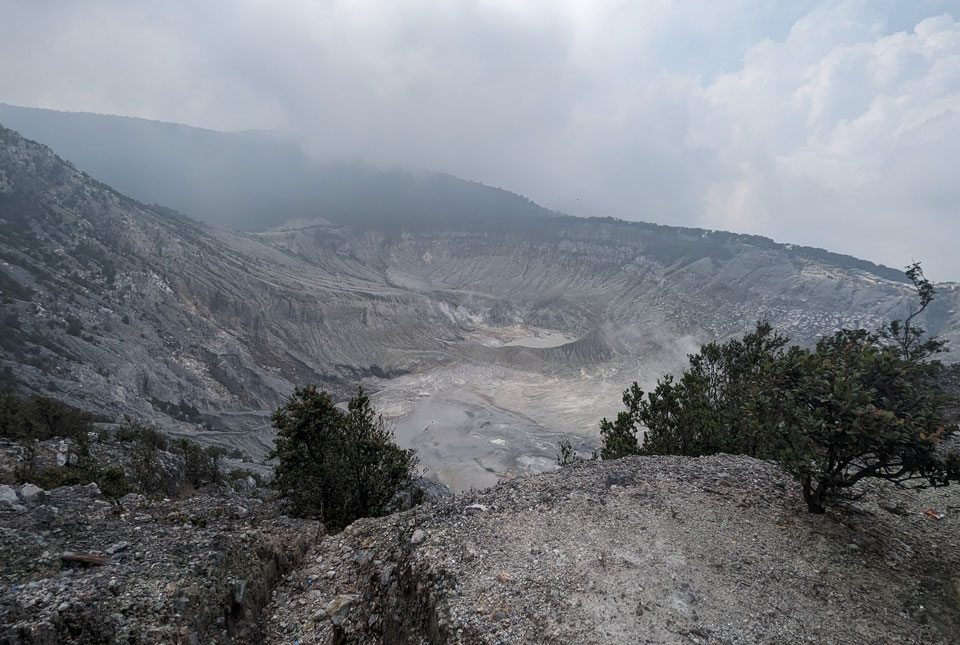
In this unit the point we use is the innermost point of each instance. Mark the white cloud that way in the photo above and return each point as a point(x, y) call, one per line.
point(825, 123)
point(846, 142)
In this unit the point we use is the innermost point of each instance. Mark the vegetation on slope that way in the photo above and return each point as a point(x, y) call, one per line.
point(859, 405)
point(132, 458)
point(340, 466)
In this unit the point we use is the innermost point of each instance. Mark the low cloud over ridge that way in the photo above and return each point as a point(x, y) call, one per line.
point(832, 124)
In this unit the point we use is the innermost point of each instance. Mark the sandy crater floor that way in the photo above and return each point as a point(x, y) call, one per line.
point(473, 425)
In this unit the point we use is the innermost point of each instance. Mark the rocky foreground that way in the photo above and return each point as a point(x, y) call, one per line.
point(658, 550)
point(76, 568)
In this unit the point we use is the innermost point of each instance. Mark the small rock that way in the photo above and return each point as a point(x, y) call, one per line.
point(29, 491)
point(338, 608)
point(239, 589)
point(503, 576)
point(362, 559)
point(385, 575)
point(418, 537)
point(117, 548)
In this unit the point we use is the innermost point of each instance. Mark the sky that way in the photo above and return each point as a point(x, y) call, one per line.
point(832, 124)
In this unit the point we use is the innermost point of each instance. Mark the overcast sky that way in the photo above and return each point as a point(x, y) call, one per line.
point(835, 124)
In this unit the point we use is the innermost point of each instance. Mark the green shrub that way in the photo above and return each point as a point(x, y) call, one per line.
point(74, 326)
point(202, 465)
point(243, 473)
point(147, 474)
point(336, 465)
point(568, 455)
point(860, 405)
point(725, 402)
point(62, 476)
point(148, 436)
point(41, 418)
point(113, 483)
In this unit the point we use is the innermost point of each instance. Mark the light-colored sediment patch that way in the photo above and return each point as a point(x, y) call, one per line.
point(550, 340)
point(473, 425)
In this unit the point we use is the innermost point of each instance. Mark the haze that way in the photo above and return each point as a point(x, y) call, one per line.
point(829, 124)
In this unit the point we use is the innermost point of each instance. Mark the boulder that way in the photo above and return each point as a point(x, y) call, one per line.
point(29, 491)
point(8, 494)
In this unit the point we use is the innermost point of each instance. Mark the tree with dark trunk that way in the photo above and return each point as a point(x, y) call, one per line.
point(860, 405)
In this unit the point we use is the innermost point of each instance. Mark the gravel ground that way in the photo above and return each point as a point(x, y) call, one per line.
point(649, 550)
point(76, 568)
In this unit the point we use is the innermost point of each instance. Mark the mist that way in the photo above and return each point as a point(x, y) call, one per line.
point(826, 124)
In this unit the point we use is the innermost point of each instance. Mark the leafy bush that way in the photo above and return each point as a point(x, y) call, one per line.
point(861, 404)
point(74, 326)
point(568, 455)
point(857, 410)
point(147, 475)
point(242, 474)
point(725, 402)
point(41, 418)
point(336, 465)
point(30, 421)
point(113, 483)
point(202, 465)
point(148, 436)
point(51, 478)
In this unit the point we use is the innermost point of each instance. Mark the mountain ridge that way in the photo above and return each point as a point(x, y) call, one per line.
point(90, 139)
point(254, 180)
point(128, 309)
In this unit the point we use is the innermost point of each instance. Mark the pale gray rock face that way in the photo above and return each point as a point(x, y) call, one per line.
point(125, 309)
